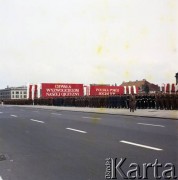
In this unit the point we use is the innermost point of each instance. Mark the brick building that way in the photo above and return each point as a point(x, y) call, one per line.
point(141, 85)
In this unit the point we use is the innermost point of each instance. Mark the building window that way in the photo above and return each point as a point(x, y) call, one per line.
point(17, 96)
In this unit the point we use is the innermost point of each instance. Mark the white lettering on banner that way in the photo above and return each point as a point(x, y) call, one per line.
point(104, 90)
point(63, 86)
point(52, 94)
point(107, 91)
point(69, 94)
point(114, 90)
point(63, 90)
point(61, 94)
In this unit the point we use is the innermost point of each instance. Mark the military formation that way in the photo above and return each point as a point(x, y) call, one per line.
point(139, 101)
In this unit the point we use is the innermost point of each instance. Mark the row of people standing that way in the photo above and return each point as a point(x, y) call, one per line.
point(166, 101)
point(143, 101)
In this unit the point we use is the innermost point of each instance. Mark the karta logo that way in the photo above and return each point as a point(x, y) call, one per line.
point(115, 169)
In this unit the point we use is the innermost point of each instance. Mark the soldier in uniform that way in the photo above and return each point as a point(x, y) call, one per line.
point(167, 102)
point(145, 101)
point(172, 100)
point(132, 103)
point(176, 97)
point(149, 101)
point(105, 101)
point(157, 101)
point(127, 101)
point(139, 101)
point(136, 101)
point(114, 101)
point(118, 101)
point(154, 101)
point(101, 101)
point(142, 102)
point(162, 101)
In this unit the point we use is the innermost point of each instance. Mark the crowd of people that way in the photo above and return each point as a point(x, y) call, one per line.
point(138, 101)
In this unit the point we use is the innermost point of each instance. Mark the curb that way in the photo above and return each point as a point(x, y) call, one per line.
point(46, 107)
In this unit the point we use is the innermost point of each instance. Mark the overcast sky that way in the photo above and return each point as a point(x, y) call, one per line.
point(94, 41)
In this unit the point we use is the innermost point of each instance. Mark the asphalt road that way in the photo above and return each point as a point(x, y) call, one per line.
point(43, 144)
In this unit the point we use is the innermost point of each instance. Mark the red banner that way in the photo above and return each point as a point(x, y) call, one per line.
point(30, 91)
point(61, 90)
point(106, 90)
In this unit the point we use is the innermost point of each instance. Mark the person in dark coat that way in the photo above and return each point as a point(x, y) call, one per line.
point(132, 103)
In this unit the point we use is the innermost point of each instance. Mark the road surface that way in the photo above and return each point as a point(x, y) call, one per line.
point(39, 144)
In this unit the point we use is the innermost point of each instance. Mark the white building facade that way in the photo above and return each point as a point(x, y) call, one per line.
point(13, 93)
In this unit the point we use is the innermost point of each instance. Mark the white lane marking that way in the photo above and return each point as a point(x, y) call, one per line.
point(91, 118)
point(141, 145)
point(56, 114)
point(76, 130)
point(151, 124)
point(13, 115)
point(1, 112)
point(37, 120)
point(1, 178)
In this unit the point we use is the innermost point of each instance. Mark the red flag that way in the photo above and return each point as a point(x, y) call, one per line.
point(173, 88)
point(167, 87)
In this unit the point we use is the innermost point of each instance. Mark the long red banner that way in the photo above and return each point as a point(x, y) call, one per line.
point(50, 90)
point(106, 90)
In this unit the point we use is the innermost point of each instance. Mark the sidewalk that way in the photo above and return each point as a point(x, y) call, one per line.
point(166, 114)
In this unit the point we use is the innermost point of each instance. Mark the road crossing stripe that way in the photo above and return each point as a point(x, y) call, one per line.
point(76, 130)
point(141, 145)
point(151, 124)
point(37, 120)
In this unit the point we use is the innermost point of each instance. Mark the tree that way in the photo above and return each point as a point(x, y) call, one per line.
point(146, 88)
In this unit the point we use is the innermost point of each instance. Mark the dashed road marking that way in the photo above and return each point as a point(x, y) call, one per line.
point(1, 112)
point(1, 178)
point(56, 114)
point(151, 124)
point(91, 118)
point(13, 115)
point(37, 121)
point(141, 145)
point(76, 130)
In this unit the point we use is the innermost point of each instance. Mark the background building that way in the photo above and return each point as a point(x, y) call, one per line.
point(143, 86)
point(176, 78)
point(13, 93)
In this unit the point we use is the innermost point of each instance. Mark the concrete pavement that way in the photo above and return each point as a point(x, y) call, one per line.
point(168, 114)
